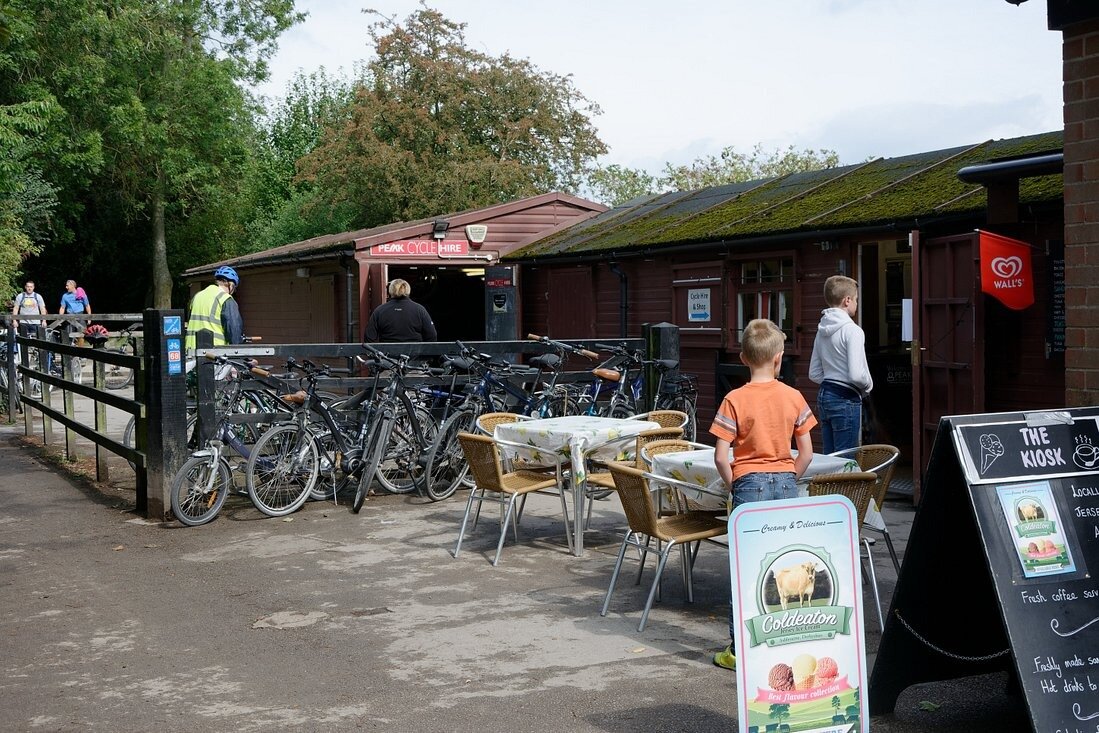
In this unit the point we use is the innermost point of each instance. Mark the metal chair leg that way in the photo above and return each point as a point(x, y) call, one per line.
point(617, 568)
point(869, 567)
point(892, 552)
point(643, 555)
point(565, 514)
point(504, 530)
point(688, 576)
point(656, 584)
point(465, 518)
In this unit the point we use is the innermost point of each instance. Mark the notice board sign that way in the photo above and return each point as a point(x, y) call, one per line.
point(801, 651)
point(1010, 521)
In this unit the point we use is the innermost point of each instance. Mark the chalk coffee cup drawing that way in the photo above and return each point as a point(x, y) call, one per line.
point(1086, 455)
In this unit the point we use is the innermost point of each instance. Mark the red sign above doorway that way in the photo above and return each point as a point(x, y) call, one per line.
point(1006, 273)
point(422, 248)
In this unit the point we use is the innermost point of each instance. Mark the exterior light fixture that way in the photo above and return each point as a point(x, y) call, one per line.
point(439, 227)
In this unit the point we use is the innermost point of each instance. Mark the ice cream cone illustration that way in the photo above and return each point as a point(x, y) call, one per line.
point(991, 449)
point(804, 669)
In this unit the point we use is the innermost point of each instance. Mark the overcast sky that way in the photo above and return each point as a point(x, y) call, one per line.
point(677, 80)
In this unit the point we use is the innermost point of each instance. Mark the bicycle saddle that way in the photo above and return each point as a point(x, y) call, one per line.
point(545, 361)
point(298, 398)
point(609, 374)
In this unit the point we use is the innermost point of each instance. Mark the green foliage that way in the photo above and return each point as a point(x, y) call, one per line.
point(281, 209)
point(616, 184)
point(150, 110)
point(437, 126)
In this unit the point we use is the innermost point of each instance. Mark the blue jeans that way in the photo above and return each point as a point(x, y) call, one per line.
point(839, 411)
point(754, 487)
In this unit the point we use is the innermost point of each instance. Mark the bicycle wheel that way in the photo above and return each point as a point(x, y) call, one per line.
point(561, 404)
point(621, 409)
point(446, 466)
point(117, 377)
point(685, 405)
point(128, 437)
point(199, 490)
point(331, 479)
point(282, 469)
point(376, 443)
point(402, 464)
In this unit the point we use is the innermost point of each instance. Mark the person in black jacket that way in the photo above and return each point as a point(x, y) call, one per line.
point(401, 319)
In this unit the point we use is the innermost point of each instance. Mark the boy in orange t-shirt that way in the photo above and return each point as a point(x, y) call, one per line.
point(758, 421)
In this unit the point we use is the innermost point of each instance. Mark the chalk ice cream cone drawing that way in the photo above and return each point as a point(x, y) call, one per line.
point(991, 449)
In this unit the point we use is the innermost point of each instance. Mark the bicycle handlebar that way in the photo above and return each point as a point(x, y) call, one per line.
point(563, 346)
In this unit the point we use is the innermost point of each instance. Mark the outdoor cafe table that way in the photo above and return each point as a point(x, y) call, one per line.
point(697, 467)
point(572, 436)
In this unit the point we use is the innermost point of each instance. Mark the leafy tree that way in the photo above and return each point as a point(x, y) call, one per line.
point(732, 167)
point(437, 126)
point(615, 184)
point(154, 126)
point(836, 703)
point(779, 711)
point(282, 209)
point(26, 200)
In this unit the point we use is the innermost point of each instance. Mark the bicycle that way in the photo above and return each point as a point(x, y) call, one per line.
point(339, 440)
point(117, 377)
point(396, 422)
point(55, 366)
point(614, 371)
point(200, 487)
point(446, 467)
point(4, 375)
point(676, 392)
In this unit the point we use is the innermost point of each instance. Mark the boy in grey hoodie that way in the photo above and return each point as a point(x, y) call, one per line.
point(839, 366)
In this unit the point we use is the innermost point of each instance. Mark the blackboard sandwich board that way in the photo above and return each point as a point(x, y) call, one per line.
point(1010, 522)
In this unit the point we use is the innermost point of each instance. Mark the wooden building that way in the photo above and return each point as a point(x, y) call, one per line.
point(323, 289)
point(711, 260)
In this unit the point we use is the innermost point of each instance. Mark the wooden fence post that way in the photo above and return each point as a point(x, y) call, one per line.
point(165, 394)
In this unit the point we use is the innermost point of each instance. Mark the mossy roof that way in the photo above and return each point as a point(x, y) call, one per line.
point(881, 192)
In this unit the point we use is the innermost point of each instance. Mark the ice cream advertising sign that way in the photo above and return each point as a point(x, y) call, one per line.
point(1046, 446)
point(797, 602)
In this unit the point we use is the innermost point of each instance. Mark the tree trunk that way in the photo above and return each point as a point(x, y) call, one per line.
point(162, 279)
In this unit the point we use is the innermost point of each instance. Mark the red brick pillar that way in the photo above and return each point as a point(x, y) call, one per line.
point(1081, 91)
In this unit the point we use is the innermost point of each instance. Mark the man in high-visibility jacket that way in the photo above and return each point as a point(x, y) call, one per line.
point(213, 309)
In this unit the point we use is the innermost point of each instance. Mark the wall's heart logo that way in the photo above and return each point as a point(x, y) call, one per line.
point(1006, 267)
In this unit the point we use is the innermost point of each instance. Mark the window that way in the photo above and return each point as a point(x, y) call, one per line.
point(764, 289)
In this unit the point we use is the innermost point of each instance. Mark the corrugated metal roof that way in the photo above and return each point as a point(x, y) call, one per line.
point(883, 191)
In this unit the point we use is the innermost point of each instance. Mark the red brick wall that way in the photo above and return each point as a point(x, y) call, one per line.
point(1081, 92)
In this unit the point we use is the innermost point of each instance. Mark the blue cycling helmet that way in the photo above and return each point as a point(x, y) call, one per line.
point(227, 273)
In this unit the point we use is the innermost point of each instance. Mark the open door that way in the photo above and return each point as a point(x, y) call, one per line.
point(948, 349)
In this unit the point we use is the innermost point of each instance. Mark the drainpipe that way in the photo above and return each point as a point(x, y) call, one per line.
point(623, 303)
point(351, 297)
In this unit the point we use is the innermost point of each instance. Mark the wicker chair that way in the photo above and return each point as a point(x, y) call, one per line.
point(483, 455)
point(487, 423)
point(644, 524)
point(676, 501)
point(858, 486)
point(600, 481)
point(665, 418)
point(882, 460)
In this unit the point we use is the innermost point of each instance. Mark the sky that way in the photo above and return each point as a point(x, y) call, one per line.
point(681, 80)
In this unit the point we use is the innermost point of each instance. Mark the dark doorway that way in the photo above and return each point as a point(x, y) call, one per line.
point(455, 298)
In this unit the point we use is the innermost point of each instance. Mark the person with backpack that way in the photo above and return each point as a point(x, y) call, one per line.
point(75, 300)
point(26, 303)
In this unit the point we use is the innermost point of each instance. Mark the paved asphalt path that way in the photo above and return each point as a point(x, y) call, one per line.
point(332, 621)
